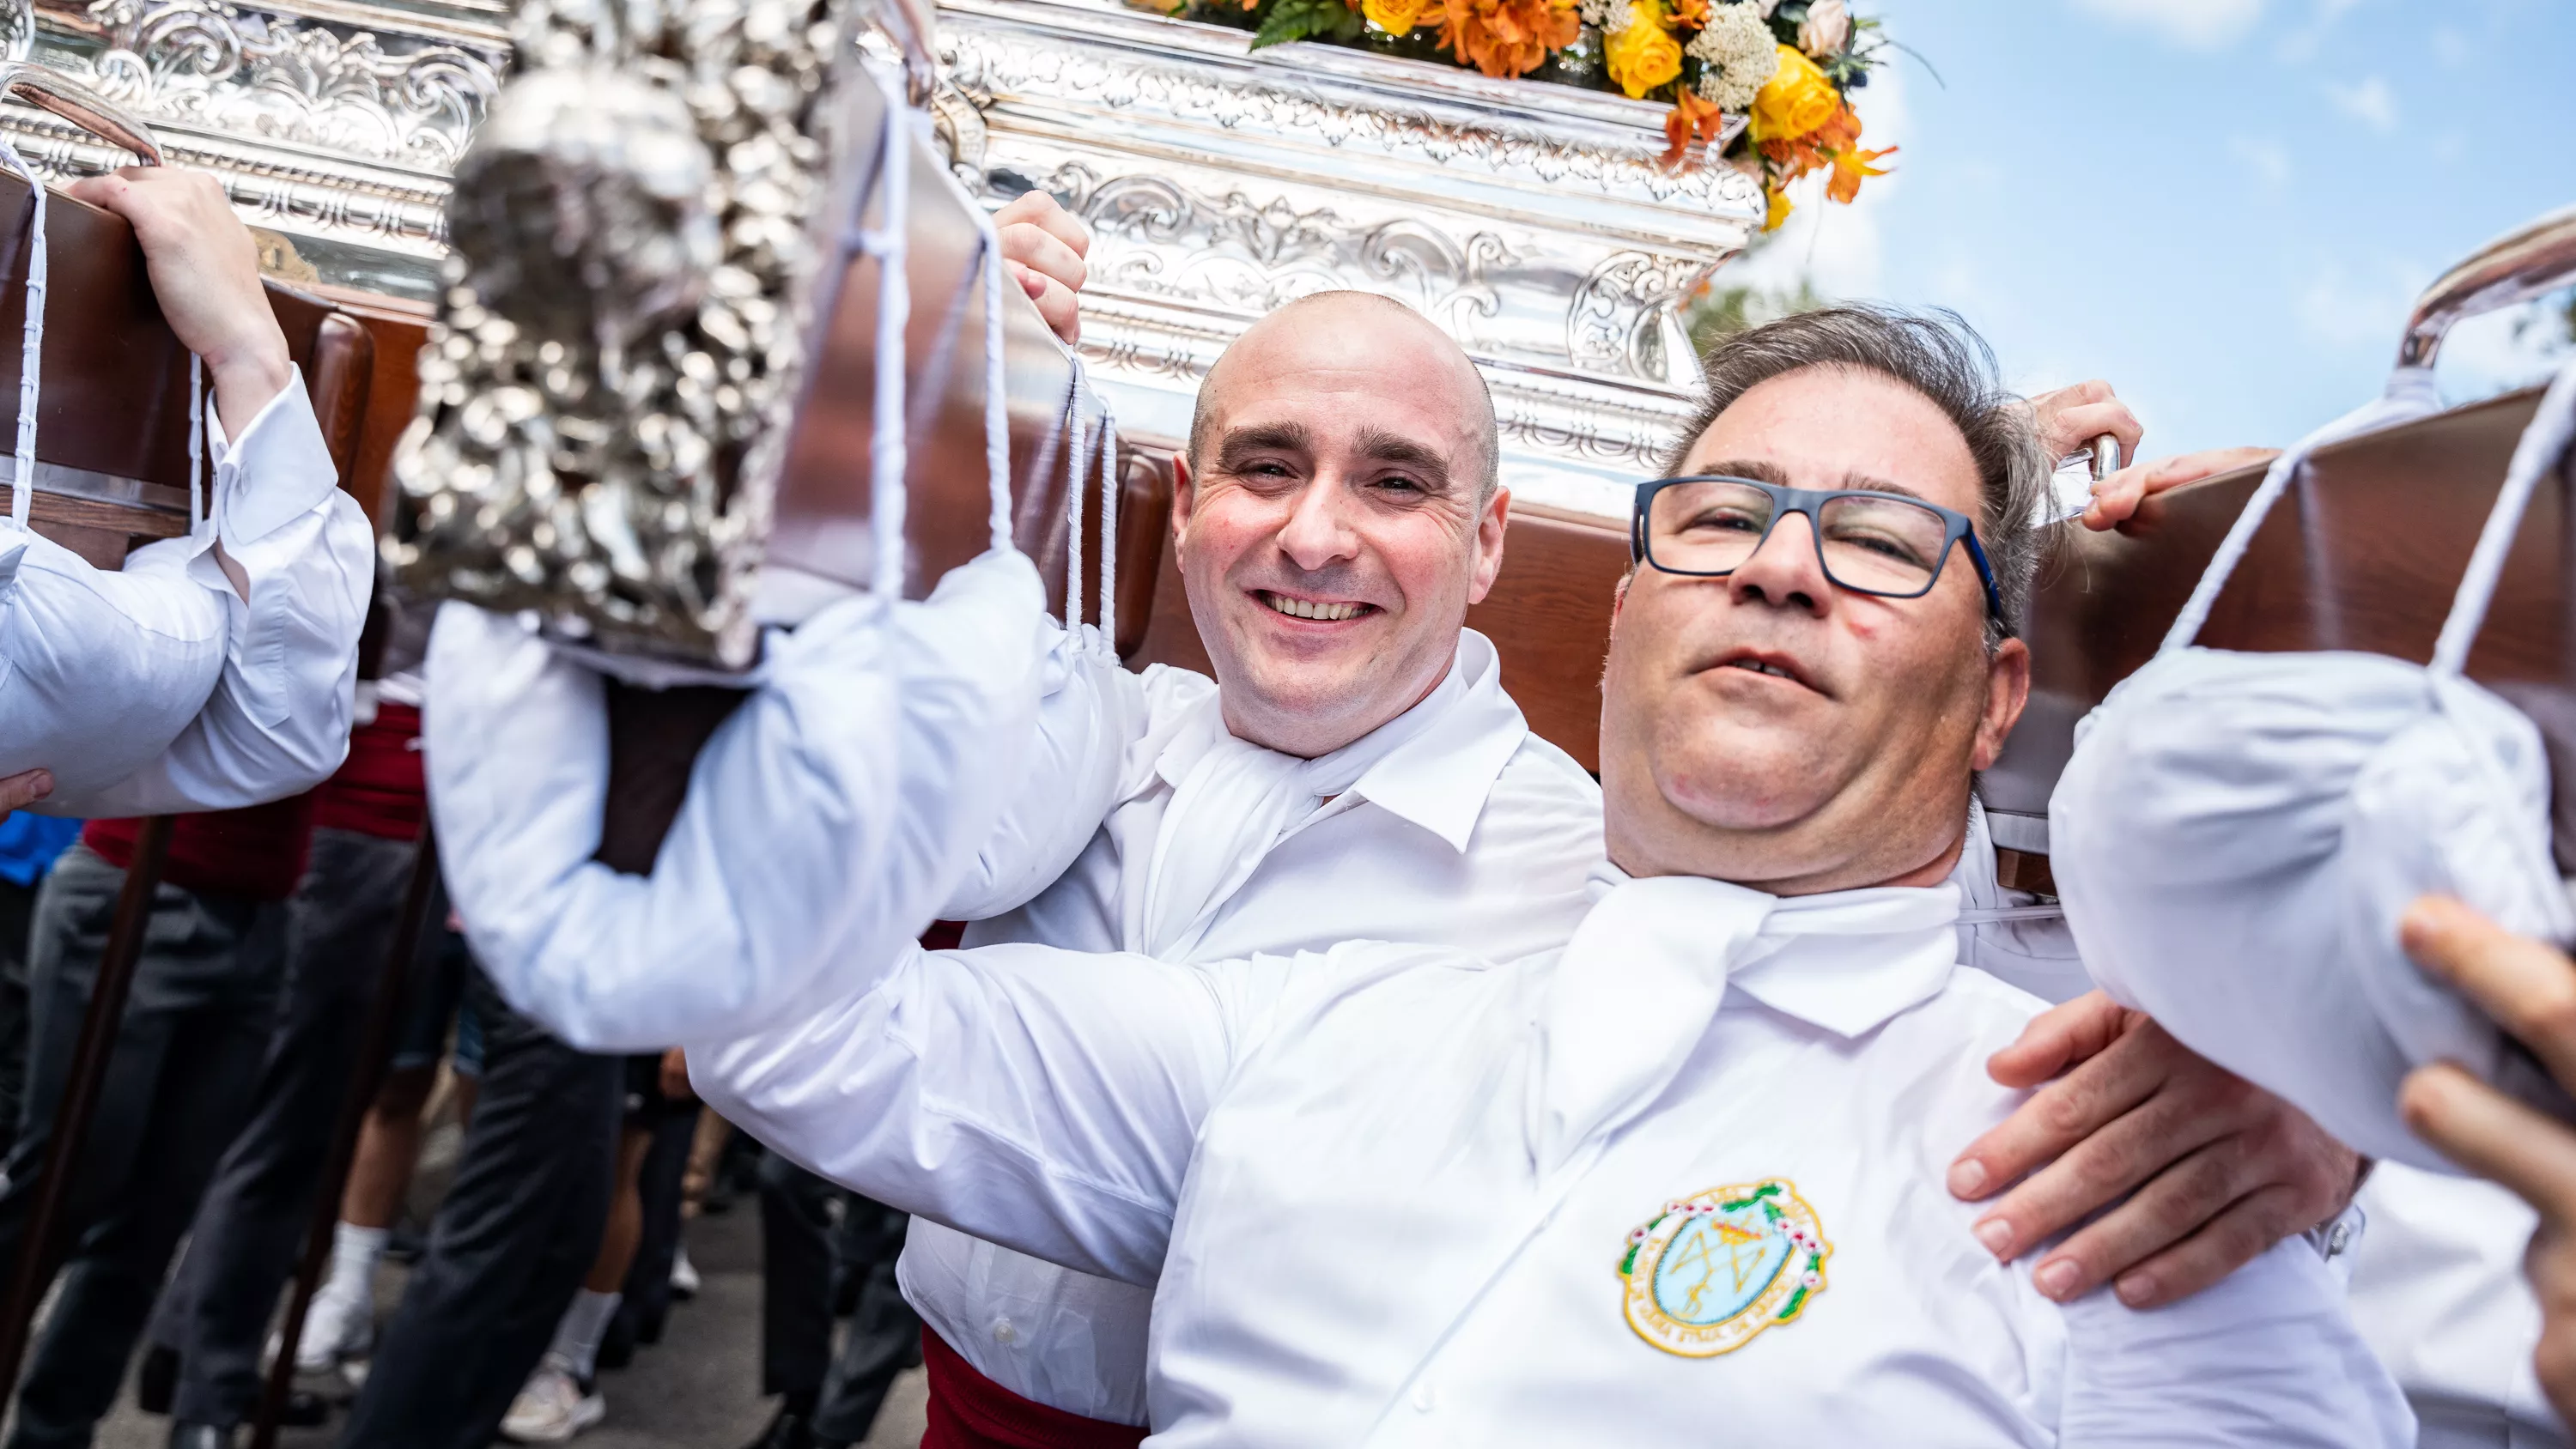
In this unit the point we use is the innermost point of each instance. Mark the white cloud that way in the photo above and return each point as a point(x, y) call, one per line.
point(2195, 24)
point(2301, 44)
point(2268, 160)
point(2368, 101)
point(2516, 347)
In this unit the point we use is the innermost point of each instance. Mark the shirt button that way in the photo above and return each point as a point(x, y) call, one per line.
point(1004, 1331)
point(2338, 1240)
point(1422, 1399)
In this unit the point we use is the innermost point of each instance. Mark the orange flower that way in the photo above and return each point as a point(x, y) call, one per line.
point(1693, 13)
point(1794, 156)
point(1689, 117)
point(1850, 165)
point(1505, 38)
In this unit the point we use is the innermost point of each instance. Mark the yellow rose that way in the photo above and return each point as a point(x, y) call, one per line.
point(1797, 99)
point(1395, 17)
point(1642, 53)
point(1775, 210)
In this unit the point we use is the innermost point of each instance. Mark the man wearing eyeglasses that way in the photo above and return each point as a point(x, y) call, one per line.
point(1385, 1187)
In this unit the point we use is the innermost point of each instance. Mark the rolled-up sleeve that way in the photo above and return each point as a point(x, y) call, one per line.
point(824, 823)
point(277, 719)
point(1041, 1099)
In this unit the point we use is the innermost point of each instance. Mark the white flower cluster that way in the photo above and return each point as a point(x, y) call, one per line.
point(1736, 55)
point(1605, 15)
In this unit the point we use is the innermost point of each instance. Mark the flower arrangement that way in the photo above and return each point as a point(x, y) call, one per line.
point(1788, 66)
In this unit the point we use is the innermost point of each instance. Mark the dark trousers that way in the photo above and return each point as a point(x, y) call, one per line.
point(796, 1272)
point(250, 1231)
point(511, 1243)
point(17, 924)
point(178, 1085)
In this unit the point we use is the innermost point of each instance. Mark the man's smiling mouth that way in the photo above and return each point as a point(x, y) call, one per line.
point(1316, 609)
point(1758, 667)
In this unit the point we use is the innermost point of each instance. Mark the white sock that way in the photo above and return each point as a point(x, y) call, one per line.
point(584, 1324)
point(354, 1251)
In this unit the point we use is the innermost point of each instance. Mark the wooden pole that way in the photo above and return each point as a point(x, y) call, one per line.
point(375, 1053)
point(38, 1253)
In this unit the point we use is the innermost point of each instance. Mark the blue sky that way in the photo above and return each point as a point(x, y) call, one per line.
point(2223, 206)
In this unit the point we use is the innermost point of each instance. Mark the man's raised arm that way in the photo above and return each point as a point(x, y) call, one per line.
point(825, 822)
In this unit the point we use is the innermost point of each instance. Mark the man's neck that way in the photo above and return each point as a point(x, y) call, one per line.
point(1845, 875)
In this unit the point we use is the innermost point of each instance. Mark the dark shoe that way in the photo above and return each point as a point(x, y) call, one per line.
point(787, 1430)
point(156, 1383)
point(184, 1435)
point(305, 1409)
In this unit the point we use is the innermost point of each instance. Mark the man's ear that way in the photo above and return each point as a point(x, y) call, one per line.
point(1185, 497)
point(1490, 526)
point(2007, 690)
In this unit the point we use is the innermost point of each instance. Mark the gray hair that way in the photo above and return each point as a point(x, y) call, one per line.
point(1939, 356)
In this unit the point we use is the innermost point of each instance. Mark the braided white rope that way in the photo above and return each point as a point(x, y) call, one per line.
point(200, 511)
point(1108, 530)
point(1074, 439)
point(888, 449)
point(997, 401)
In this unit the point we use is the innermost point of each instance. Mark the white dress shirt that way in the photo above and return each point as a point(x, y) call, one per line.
point(1395, 1195)
point(157, 687)
point(1451, 823)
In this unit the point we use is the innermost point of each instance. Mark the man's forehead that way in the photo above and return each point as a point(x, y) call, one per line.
point(1824, 429)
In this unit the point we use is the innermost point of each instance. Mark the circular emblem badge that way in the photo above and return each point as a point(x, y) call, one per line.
point(1712, 1270)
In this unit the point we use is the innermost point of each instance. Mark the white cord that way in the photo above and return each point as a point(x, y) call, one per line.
point(2543, 443)
point(1073, 488)
point(997, 401)
point(888, 451)
point(22, 485)
point(200, 515)
point(1108, 530)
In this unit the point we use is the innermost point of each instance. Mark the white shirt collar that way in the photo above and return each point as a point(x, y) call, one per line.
point(1433, 765)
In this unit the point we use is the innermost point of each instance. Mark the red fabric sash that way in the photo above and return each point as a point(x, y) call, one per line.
point(970, 1411)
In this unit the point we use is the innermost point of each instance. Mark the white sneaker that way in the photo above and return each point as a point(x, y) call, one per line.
point(554, 1406)
point(336, 1328)
point(684, 1274)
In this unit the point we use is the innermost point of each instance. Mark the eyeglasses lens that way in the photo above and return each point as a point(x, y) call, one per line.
point(1874, 545)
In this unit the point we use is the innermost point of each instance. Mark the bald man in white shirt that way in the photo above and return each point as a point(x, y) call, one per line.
point(1380, 1184)
point(213, 671)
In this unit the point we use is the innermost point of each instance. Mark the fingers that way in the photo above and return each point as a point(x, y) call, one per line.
point(2494, 1136)
point(1056, 303)
point(2117, 498)
point(17, 792)
point(1038, 250)
point(2550, 1264)
point(2528, 987)
point(2057, 1039)
point(2224, 1244)
point(2111, 1161)
point(2070, 418)
point(1041, 210)
point(2111, 1080)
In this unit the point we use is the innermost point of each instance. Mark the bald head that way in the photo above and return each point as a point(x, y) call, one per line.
point(1379, 331)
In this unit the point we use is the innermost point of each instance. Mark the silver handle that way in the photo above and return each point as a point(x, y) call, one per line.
point(2106, 456)
point(2515, 267)
point(51, 90)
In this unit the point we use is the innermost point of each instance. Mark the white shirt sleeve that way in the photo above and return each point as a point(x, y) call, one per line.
point(1041, 1099)
point(825, 820)
point(282, 666)
point(2267, 1359)
point(1091, 713)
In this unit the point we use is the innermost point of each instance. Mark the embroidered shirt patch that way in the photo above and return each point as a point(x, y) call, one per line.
point(1714, 1269)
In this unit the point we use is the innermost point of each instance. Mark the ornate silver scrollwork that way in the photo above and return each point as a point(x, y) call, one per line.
point(617, 358)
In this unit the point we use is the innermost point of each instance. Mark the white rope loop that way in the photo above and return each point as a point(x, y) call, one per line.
point(22, 483)
point(200, 512)
point(2543, 443)
point(888, 449)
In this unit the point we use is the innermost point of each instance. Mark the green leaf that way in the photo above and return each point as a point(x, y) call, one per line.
point(1288, 20)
